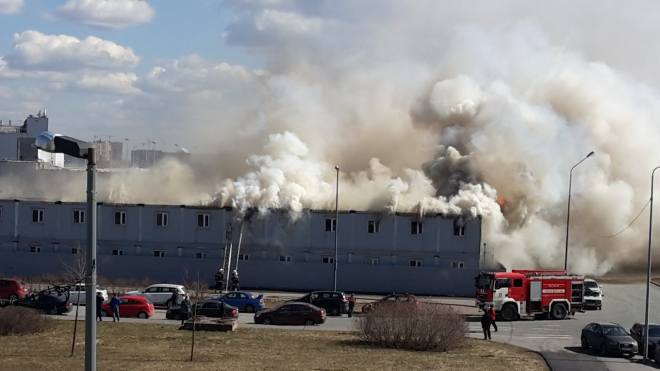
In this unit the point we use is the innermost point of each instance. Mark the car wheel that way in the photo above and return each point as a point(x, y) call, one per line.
point(249, 308)
point(309, 322)
point(13, 297)
point(267, 321)
point(584, 343)
point(559, 311)
point(143, 315)
point(53, 311)
point(104, 314)
point(508, 313)
point(603, 350)
point(599, 308)
point(336, 311)
point(177, 317)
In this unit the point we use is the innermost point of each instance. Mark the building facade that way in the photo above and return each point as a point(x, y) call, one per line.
point(377, 253)
point(16, 141)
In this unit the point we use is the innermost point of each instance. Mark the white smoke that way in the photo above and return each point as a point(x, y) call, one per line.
point(421, 115)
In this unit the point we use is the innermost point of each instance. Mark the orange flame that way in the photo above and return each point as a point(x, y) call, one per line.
point(501, 201)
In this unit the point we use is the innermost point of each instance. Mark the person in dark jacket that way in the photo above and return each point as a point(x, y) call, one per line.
point(485, 325)
point(114, 307)
point(234, 281)
point(186, 305)
point(219, 279)
point(351, 305)
point(173, 301)
point(99, 306)
point(491, 311)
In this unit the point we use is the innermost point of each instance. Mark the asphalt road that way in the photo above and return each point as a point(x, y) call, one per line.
point(558, 341)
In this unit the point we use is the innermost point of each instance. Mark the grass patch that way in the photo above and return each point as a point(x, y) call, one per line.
point(162, 347)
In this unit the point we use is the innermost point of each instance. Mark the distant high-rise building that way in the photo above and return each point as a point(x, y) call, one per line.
point(16, 141)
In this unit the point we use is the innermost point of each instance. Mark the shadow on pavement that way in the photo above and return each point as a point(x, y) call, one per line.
point(610, 358)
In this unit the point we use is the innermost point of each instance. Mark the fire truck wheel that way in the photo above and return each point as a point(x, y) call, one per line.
point(508, 312)
point(559, 311)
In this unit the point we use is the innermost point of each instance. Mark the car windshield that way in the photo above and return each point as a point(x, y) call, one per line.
point(614, 331)
point(591, 284)
point(21, 283)
point(483, 281)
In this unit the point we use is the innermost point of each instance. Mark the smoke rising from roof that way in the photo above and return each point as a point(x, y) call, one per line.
point(467, 120)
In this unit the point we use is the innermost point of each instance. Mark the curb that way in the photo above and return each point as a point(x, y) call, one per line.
point(545, 360)
point(655, 284)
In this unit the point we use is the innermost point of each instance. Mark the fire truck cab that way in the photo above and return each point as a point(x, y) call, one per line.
point(530, 293)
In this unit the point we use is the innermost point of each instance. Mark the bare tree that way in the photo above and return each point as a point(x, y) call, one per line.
point(195, 288)
point(75, 272)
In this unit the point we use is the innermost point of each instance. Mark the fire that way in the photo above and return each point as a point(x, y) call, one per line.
point(501, 201)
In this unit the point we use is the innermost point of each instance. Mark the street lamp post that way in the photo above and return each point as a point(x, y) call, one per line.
point(648, 274)
point(334, 286)
point(568, 214)
point(56, 143)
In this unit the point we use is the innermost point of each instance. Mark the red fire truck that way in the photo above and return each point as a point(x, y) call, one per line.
point(530, 293)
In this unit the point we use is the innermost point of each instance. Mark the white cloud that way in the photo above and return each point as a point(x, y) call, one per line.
point(115, 83)
point(10, 6)
point(107, 14)
point(36, 51)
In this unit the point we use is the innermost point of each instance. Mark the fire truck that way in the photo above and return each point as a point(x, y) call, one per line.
point(530, 293)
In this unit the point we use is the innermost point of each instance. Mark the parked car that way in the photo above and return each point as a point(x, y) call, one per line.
point(334, 302)
point(592, 285)
point(208, 308)
point(593, 299)
point(608, 338)
point(243, 300)
point(78, 293)
point(637, 333)
point(391, 299)
point(291, 314)
point(11, 289)
point(131, 306)
point(49, 303)
point(159, 294)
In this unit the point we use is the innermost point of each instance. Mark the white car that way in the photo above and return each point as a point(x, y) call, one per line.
point(593, 299)
point(592, 285)
point(78, 293)
point(160, 293)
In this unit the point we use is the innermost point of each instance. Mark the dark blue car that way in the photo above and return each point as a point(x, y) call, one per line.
point(243, 300)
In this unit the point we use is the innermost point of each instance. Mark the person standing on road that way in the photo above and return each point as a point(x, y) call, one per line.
point(114, 307)
point(485, 325)
point(99, 306)
point(185, 309)
point(219, 279)
point(234, 281)
point(173, 301)
point(493, 316)
point(351, 305)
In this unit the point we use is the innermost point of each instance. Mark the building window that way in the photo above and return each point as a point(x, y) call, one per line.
point(118, 252)
point(285, 258)
point(203, 220)
point(374, 226)
point(416, 227)
point(372, 261)
point(120, 218)
point(37, 215)
point(35, 248)
point(459, 230)
point(159, 253)
point(75, 250)
point(243, 256)
point(457, 265)
point(79, 216)
point(162, 219)
point(200, 255)
point(328, 260)
point(415, 263)
point(330, 225)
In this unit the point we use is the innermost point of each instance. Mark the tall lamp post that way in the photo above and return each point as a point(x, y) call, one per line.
point(334, 286)
point(568, 214)
point(648, 274)
point(56, 143)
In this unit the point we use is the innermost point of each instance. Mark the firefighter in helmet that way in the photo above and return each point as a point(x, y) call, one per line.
point(219, 278)
point(234, 280)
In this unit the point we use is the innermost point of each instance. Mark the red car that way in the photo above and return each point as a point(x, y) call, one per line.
point(131, 306)
point(11, 289)
point(392, 299)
